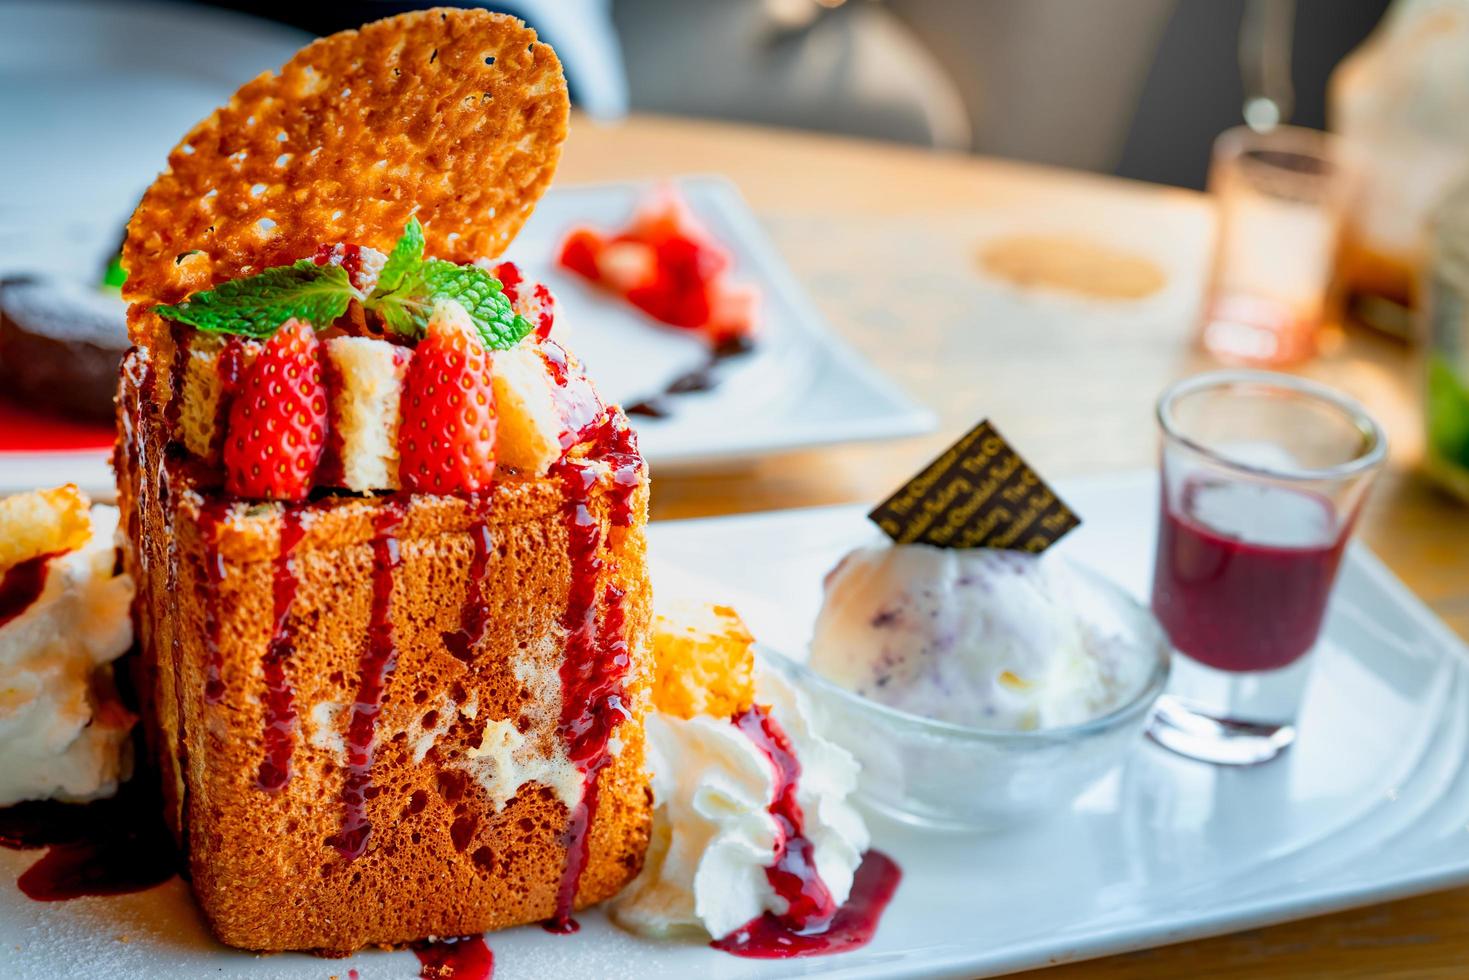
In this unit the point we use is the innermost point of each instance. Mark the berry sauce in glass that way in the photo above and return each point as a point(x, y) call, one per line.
point(1244, 571)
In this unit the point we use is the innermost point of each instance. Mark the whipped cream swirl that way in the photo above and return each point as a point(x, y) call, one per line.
point(63, 735)
point(713, 832)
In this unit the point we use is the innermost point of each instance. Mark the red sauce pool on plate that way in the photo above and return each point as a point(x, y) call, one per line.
point(110, 847)
point(463, 958)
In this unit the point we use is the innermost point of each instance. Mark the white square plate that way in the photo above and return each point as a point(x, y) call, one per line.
point(1371, 804)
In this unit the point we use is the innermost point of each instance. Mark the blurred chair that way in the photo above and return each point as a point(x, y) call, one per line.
point(848, 68)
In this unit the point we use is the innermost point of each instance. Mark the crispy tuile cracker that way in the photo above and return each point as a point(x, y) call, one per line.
point(454, 115)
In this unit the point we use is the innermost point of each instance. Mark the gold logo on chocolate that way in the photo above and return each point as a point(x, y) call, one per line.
point(978, 494)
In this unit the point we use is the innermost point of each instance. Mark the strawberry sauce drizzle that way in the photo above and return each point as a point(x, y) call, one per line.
point(793, 874)
point(378, 660)
point(461, 958)
point(280, 700)
point(597, 659)
point(475, 617)
point(577, 402)
point(209, 597)
point(173, 411)
point(853, 926)
point(813, 924)
point(228, 367)
point(23, 584)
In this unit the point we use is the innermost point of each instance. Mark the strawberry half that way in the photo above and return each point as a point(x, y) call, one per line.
point(277, 422)
point(446, 439)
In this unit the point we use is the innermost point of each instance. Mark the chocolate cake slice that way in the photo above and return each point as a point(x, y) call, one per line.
point(60, 346)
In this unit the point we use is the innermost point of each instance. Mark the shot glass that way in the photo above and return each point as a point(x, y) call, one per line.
point(1263, 476)
point(1280, 196)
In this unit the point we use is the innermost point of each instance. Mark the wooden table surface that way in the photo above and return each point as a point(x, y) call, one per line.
point(885, 239)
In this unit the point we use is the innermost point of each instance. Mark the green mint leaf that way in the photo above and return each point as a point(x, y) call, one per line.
point(406, 310)
point(115, 276)
point(256, 305)
point(405, 257)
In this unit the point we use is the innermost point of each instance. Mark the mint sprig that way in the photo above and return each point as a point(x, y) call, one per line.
point(407, 288)
point(257, 305)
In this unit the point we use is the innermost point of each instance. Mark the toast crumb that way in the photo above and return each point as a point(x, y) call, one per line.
point(40, 522)
point(705, 660)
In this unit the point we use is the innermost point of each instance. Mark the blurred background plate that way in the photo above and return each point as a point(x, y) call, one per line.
point(800, 387)
point(92, 97)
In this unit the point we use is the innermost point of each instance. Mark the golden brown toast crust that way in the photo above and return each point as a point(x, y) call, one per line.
point(440, 860)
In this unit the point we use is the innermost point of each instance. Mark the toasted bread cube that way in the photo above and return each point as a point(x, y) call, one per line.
point(528, 437)
point(365, 409)
point(40, 522)
point(201, 416)
point(704, 660)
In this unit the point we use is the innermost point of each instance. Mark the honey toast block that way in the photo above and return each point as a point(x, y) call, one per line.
point(357, 702)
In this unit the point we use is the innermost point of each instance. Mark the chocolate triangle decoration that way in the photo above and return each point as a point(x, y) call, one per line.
point(978, 494)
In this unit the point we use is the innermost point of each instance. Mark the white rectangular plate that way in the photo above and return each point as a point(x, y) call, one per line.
point(1371, 804)
point(801, 387)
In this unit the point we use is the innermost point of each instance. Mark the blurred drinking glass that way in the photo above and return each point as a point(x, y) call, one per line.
point(1280, 197)
point(1263, 476)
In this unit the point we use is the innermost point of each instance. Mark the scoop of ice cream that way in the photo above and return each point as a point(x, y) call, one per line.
point(976, 637)
point(713, 833)
point(63, 735)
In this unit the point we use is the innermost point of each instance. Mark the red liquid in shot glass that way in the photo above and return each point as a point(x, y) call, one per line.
point(1244, 571)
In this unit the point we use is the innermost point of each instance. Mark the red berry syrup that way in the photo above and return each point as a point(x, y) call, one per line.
point(597, 658)
point(462, 958)
point(280, 708)
point(853, 926)
point(209, 587)
point(378, 660)
point(110, 847)
point(1243, 572)
point(793, 874)
point(475, 617)
point(23, 584)
point(813, 924)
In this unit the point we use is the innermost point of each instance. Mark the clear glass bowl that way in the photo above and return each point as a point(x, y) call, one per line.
point(939, 774)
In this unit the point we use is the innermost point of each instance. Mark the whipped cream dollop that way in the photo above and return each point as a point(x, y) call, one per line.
point(978, 637)
point(63, 734)
point(713, 833)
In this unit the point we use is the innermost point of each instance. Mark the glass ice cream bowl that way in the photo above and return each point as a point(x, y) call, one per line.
point(940, 774)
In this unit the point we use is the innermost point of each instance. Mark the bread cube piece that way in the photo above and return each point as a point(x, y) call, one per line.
point(41, 522)
point(464, 796)
point(366, 381)
point(704, 660)
point(529, 434)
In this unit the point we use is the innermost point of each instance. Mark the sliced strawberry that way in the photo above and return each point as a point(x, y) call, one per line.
point(446, 440)
point(277, 422)
point(579, 252)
